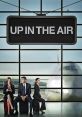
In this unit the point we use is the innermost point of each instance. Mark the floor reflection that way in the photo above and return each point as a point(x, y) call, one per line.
point(66, 109)
point(72, 109)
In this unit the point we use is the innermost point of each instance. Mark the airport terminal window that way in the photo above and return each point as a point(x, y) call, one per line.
point(8, 68)
point(9, 56)
point(34, 5)
point(42, 47)
point(58, 66)
point(72, 56)
point(44, 68)
point(38, 56)
point(72, 81)
point(5, 46)
point(77, 46)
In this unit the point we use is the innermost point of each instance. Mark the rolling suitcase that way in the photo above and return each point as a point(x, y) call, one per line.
point(23, 107)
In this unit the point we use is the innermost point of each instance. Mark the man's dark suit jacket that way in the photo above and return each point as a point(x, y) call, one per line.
point(36, 91)
point(28, 89)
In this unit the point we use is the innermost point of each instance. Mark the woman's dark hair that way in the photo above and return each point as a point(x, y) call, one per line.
point(9, 78)
point(37, 79)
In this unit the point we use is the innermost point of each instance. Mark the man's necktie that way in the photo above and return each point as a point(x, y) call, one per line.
point(23, 89)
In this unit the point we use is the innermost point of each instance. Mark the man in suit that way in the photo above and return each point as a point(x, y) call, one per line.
point(24, 92)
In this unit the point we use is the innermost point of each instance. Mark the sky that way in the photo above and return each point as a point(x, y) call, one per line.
point(33, 56)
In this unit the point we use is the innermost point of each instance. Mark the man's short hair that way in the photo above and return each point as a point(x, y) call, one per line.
point(23, 77)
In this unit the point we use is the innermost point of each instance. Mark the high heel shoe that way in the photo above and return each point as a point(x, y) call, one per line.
point(12, 111)
point(42, 112)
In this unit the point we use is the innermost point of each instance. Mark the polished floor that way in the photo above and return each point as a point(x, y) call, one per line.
point(73, 109)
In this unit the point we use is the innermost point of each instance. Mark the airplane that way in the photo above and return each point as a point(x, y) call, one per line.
point(69, 81)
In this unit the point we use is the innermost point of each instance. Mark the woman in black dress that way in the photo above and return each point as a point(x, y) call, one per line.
point(8, 91)
point(37, 95)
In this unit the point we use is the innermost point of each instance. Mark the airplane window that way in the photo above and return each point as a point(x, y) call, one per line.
point(67, 68)
point(73, 68)
point(70, 67)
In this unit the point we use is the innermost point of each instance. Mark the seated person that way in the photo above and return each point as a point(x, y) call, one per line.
point(9, 90)
point(37, 95)
point(24, 92)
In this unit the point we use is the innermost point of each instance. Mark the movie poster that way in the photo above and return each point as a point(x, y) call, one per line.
point(41, 58)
